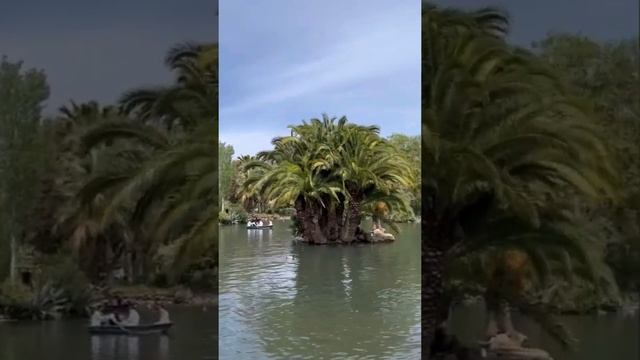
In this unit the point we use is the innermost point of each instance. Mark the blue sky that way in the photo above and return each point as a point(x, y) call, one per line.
point(96, 50)
point(284, 61)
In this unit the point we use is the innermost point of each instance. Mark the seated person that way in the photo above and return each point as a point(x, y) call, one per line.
point(378, 230)
point(133, 319)
point(113, 319)
point(163, 315)
point(98, 318)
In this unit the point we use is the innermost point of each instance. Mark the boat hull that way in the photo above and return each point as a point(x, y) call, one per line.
point(259, 227)
point(130, 330)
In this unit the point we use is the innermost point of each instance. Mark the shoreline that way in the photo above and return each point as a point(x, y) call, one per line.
point(146, 295)
point(139, 295)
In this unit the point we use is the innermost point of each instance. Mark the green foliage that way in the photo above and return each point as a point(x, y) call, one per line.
point(332, 172)
point(22, 93)
point(158, 179)
point(62, 273)
point(202, 276)
point(607, 75)
point(225, 163)
point(14, 294)
point(510, 150)
point(42, 302)
point(224, 218)
point(122, 183)
point(410, 146)
point(237, 213)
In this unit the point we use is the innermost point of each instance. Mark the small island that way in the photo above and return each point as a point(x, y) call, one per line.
point(332, 174)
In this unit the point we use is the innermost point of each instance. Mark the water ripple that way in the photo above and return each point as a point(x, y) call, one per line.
point(285, 301)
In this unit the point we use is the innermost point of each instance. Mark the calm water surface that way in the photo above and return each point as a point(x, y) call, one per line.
point(279, 300)
point(193, 337)
point(602, 337)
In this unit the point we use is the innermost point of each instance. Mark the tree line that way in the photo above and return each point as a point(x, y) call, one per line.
point(130, 186)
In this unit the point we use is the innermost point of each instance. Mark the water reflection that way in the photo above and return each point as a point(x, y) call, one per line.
point(282, 301)
point(107, 347)
point(610, 336)
point(194, 336)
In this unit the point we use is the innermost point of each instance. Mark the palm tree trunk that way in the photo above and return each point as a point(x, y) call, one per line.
point(109, 261)
point(437, 237)
point(13, 262)
point(353, 220)
point(432, 294)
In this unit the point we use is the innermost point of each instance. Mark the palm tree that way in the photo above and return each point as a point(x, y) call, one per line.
point(499, 132)
point(191, 99)
point(510, 263)
point(58, 221)
point(168, 195)
point(249, 201)
point(328, 170)
point(166, 184)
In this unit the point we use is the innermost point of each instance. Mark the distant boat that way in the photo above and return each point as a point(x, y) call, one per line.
point(263, 227)
point(146, 329)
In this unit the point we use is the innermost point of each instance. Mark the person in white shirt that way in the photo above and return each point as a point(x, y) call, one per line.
point(133, 319)
point(97, 318)
point(163, 315)
point(259, 222)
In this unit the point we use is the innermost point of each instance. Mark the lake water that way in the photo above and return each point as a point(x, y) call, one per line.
point(192, 337)
point(610, 336)
point(279, 300)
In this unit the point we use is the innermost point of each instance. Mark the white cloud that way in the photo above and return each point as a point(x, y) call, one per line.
point(385, 48)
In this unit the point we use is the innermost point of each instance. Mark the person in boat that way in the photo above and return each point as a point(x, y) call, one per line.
point(110, 311)
point(163, 317)
point(133, 319)
point(98, 318)
point(112, 319)
point(378, 230)
point(270, 223)
point(259, 223)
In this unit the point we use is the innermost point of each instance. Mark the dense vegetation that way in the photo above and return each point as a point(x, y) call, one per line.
point(522, 202)
point(332, 173)
point(127, 192)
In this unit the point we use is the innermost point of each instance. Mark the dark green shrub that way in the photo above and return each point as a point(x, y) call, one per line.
point(63, 273)
point(160, 280)
point(224, 218)
point(238, 213)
